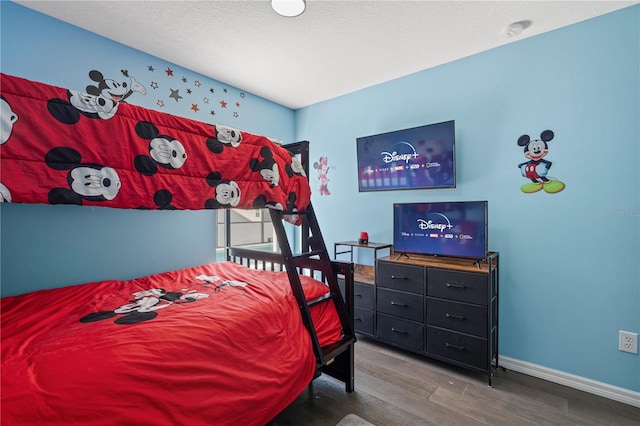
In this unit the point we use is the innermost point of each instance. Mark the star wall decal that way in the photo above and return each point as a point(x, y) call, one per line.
point(175, 95)
point(160, 103)
point(195, 108)
point(150, 68)
point(169, 72)
point(212, 112)
point(197, 83)
point(205, 100)
point(224, 90)
point(242, 95)
point(154, 85)
point(184, 79)
point(188, 91)
point(237, 104)
point(212, 90)
point(223, 104)
point(235, 115)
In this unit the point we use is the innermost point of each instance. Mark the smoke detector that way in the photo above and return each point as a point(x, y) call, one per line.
point(514, 30)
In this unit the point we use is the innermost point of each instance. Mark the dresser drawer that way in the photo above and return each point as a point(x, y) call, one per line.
point(400, 277)
point(363, 295)
point(363, 321)
point(461, 286)
point(400, 304)
point(456, 316)
point(457, 347)
point(403, 333)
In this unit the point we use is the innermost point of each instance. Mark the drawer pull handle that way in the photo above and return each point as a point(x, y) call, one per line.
point(397, 304)
point(395, 330)
point(460, 286)
point(458, 348)
point(395, 277)
point(357, 295)
point(456, 317)
point(357, 319)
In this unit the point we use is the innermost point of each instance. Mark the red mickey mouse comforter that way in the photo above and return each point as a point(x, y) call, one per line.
point(218, 344)
point(62, 146)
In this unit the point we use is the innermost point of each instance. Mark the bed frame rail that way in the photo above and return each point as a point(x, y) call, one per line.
point(255, 259)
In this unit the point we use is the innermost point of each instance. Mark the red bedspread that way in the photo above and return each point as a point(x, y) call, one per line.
point(62, 146)
point(219, 344)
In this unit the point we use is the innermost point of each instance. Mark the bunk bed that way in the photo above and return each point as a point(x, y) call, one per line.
point(230, 342)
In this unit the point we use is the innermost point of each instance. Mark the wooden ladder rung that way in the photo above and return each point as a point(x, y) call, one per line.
point(324, 298)
point(331, 351)
point(291, 212)
point(308, 254)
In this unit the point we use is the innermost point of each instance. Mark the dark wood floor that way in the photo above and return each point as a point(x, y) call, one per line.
point(394, 387)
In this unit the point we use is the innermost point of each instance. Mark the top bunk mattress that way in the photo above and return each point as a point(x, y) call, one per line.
point(62, 146)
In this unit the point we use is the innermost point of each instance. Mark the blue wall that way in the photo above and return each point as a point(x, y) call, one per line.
point(570, 276)
point(47, 246)
point(570, 270)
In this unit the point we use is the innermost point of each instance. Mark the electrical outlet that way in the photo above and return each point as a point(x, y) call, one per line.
point(628, 342)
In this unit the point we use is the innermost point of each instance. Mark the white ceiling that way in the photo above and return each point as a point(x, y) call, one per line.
point(333, 48)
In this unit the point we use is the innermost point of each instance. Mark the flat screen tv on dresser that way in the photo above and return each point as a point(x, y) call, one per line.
point(417, 158)
point(454, 229)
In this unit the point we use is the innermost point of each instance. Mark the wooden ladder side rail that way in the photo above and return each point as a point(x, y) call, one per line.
point(294, 279)
point(317, 245)
point(316, 256)
point(343, 365)
point(317, 250)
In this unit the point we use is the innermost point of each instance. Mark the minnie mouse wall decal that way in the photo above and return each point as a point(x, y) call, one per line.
point(323, 169)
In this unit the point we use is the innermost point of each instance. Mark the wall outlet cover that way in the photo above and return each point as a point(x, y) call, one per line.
point(628, 342)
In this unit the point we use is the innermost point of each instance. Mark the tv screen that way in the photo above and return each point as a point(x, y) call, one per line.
point(417, 158)
point(456, 229)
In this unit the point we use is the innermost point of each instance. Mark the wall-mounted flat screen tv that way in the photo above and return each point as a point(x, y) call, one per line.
point(417, 158)
point(455, 229)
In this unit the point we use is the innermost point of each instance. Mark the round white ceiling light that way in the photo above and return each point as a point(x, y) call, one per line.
point(289, 8)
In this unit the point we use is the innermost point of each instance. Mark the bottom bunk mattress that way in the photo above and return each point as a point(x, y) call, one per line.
point(216, 344)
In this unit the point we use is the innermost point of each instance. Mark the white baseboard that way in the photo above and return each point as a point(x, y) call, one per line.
point(587, 385)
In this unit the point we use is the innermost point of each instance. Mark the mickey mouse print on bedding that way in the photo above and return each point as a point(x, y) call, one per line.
point(62, 146)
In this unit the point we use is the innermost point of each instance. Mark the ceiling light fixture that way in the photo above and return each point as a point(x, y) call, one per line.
point(289, 8)
point(515, 29)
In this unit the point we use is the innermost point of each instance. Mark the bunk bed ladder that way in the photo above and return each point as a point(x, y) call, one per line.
point(314, 255)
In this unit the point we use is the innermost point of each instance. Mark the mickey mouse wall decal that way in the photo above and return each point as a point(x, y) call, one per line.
point(537, 168)
point(112, 89)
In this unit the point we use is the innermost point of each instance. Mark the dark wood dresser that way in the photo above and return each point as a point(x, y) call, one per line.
point(443, 308)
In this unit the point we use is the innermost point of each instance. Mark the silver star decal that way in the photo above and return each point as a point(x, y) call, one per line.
point(175, 95)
